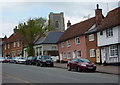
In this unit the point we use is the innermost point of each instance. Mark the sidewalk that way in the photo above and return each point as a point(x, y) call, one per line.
point(100, 68)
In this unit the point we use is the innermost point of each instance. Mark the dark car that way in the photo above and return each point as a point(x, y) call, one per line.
point(81, 65)
point(44, 61)
point(31, 60)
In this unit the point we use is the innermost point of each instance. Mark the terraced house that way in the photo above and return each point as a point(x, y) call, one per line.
point(77, 41)
point(13, 45)
point(109, 37)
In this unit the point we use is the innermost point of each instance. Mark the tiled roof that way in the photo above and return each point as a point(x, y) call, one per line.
point(51, 38)
point(111, 20)
point(77, 29)
point(13, 38)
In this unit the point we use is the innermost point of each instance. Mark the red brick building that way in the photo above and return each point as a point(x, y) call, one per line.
point(13, 45)
point(78, 40)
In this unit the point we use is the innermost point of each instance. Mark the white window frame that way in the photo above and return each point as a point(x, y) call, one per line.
point(79, 56)
point(68, 43)
point(69, 55)
point(18, 44)
point(64, 55)
point(5, 47)
point(113, 49)
point(54, 47)
point(92, 52)
point(77, 40)
point(91, 37)
point(14, 44)
point(8, 46)
point(109, 32)
point(62, 44)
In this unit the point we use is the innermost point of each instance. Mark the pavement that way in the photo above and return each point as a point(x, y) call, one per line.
point(100, 68)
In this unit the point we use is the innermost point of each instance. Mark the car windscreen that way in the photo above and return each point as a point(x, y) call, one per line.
point(21, 58)
point(46, 57)
point(84, 60)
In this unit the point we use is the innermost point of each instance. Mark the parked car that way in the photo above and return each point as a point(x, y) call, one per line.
point(44, 61)
point(12, 60)
point(81, 64)
point(31, 60)
point(20, 60)
point(7, 59)
point(2, 59)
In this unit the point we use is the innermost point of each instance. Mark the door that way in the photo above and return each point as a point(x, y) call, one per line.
point(98, 55)
point(103, 55)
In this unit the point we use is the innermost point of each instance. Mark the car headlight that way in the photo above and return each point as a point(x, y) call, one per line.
point(83, 65)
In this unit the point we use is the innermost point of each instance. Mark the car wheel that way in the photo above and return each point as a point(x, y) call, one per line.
point(68, 68)
point(41, 65)
point(78, 69)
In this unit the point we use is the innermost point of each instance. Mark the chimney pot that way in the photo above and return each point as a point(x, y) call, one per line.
point(68, 24)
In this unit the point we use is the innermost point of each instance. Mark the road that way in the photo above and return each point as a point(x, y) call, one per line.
point(17, 73)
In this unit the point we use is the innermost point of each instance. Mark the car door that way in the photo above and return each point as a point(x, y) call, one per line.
point(75, 63)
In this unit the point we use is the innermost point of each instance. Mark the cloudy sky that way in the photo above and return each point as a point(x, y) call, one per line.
point(12, 13)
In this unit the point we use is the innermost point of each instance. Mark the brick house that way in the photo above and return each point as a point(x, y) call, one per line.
point(78, 40)
point(13, 45)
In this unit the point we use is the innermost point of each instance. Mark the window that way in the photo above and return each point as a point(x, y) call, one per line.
point(69, 55)
point(91, 37)
point(68, 43)
point(113, 50)
point(5, 47)
point(101, 32)
point(18, 44)
point(92, 53)
point(54, 47)
point(109, 32)
point(77, 40)
point(62, 44)
point(14, 44)
point(56, 24)
point(8, 46)
point(79, 54)
point(64, 55)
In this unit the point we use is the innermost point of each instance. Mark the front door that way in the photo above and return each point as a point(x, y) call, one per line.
point(103, 55)
point(97, 55)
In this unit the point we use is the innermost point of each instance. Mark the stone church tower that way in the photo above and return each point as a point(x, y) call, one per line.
point(57, 21)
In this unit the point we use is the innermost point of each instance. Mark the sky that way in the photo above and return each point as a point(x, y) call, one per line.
point(16, 11)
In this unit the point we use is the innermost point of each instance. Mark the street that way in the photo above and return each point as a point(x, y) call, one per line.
point(18, 73)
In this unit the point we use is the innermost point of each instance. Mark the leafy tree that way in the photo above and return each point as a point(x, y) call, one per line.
point(32, 30)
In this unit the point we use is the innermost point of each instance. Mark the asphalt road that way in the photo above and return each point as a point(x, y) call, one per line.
point(16, 73)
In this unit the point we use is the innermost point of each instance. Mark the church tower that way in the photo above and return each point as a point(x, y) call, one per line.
point(57, 21)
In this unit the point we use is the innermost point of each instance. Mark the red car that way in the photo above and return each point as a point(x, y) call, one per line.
point(81, 65)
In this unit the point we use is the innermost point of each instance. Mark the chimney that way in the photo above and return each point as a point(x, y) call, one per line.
point(15, 29)
point(68, 24)
point(98, 15)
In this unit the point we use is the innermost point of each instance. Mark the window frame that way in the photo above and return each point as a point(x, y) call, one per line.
point(113, 49)
point(109, 32)
point(77, 40)
point(91, 37)
point(92, 53)
point(68, 43)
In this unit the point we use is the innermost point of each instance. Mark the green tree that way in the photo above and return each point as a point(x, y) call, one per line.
point(32, 30)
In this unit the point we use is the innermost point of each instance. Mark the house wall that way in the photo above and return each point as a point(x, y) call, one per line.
point(72, 48)
point(12, 51)
point(103, 40)
point(119, 34)
point(91, 45)
point(0, 49)
point(105, 55)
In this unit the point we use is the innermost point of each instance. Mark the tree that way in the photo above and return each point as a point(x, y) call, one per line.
point(32, 30)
